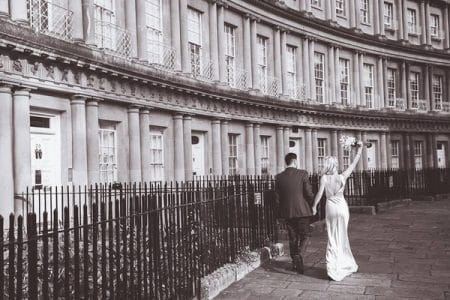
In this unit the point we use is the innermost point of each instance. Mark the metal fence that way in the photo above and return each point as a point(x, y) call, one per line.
point(152, 242)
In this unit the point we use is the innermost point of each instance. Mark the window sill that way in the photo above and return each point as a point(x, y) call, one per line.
point(344, 17)
point(366, 24)
point(317, 7)
point(389, 29)
point(414, 34)
point(436, 38)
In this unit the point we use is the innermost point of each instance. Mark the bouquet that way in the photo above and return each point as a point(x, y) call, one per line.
point(347, 142)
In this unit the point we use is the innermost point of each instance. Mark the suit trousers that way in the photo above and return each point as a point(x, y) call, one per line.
point(299, 233)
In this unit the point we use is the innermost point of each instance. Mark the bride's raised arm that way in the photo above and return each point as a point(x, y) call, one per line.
point(352, 166)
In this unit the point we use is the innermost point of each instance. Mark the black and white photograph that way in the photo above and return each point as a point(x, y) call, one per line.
point(225, 149)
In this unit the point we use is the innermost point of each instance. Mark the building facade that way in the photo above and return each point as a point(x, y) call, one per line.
point(139, 90)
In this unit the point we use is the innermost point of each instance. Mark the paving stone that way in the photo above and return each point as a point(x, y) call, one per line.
point(404, 292)
point(276, 293)
point(346, 289)
point(309, 286)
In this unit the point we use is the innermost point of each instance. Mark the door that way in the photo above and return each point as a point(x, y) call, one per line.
point(198, 154)
point(294, 147)
point(441, 155)
point(372, 156)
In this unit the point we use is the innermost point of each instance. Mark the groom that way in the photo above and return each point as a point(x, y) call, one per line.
point(293, 196)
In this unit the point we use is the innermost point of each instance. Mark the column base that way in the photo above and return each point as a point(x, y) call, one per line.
point(356, 30)
point(405, 42)
point(381, 37)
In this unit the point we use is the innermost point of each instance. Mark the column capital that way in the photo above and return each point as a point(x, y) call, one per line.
point(333, 130)
point(6, 89)
point(92, 102)
point(188, 116)
point(256, 125)
point(221, 3)
point(144, 111)
point(133, 109)
point(225, 121)
point(22, 91)
point(78, 99)
point(308, 129)
point(249, 124)
point(178, 116)
point(279, 127)
point(314, 130)
point(216, 121)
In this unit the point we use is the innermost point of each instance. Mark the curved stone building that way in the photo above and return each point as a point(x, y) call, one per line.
point(138, 90)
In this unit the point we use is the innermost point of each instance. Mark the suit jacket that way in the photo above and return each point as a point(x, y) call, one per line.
point(293, 193)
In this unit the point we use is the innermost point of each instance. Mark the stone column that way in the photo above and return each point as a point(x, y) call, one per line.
point(380, 82)
point(177, 148)
point(185, 61)
point(216, 148)
point(77, 22)
point(430, 150)
point(328, 9)
point(333, 11)
point(130, 24)
point(355, 79)
point(144, 122)
point(385, 89)
point(360, 165)
point(92, 141)
point(405, 85)
point(427, 22)
point(427, 83)
point(79, 146)
point(250, 149)
point(308, 151)
point(280, 149)
point(364, 152)
point(376, 17)
point(187, 145)
point(224, 144)
point(286, 134)
point(22, 144)
point(331, 76)
point(214, 24)
point(88, 22)
point(361, 80)
point(6, 149)
point(303, 5)
point(337, 84)
point(257, 143)
point(334, 143)
point(277, 53)
point(352, 13)
point(4, 8)
point(283, 78)
point(311, 70)
point(308, 6)
point(401, 20)
point(247, 41)
point(315, 156)
point(254, 51)
point(340, 151)
point(446, 28)
point(175, 31)
point(141, 30)
point(298, 67)
point(405, 20)
point(135, 144)
point(357, 14)
point(221, 37)
point(306, 76)
point(381, 19)
point(388, 150)
point(18, 10)
point(383, 148)
point(407, 151)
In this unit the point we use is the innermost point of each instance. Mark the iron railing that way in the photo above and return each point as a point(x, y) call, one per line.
point(113, 39)
point(236, 77)
point(201, 68)
point(51, 19)
point(269, 85)
point(419, 105)
point(161, 55)
point(446, 106)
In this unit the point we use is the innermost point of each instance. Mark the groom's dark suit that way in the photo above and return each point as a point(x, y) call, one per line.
point(294, 198)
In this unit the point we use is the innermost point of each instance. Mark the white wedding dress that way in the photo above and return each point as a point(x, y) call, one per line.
point(339, 257)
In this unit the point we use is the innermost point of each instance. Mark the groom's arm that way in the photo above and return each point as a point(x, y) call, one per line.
point(307, 189)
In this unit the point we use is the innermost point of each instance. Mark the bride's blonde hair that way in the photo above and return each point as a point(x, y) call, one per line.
point(330, 165)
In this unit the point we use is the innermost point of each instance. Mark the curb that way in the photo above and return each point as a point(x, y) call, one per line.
point(365, 210)
point(385, 206)
point(440, 197)
point(214, 283)
point(424, 198)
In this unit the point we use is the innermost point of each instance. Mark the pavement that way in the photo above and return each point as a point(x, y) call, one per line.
point(403, 253)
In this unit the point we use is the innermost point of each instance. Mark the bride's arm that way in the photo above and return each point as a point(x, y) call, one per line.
point(352, 166)
point(318, 195)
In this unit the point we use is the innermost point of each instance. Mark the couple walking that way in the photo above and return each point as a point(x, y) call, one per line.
point(297, 204)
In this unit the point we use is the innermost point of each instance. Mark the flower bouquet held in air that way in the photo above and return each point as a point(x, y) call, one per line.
point(347, 142)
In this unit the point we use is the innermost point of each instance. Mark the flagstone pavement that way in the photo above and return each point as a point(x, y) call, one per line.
point(403, 253)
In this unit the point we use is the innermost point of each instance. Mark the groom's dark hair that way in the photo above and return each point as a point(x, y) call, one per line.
point(289, 158)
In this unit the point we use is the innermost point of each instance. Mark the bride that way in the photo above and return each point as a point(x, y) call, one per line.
point(339, 257)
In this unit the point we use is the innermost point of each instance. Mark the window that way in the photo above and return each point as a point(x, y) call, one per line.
point(340, 7)
point(319, 75)
point(434, 25)
point(156, 155)
point(344, 79)
point(346, 156)
point(395, 154)
point(368, 85)
point(233, 154)
point(105, 21)
point(412, 21)
point(108, 153)
point(316, 3)
point(230, 42)
point(321, 151)
point(195, 40)
point(262, 63)
point(365, 12)
point(418, 150)
point(153, 21)
point(264, 155)
point(414, 89)
point(388, 14)
point(437, 91)
point(391, 77)
point(291, 71)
